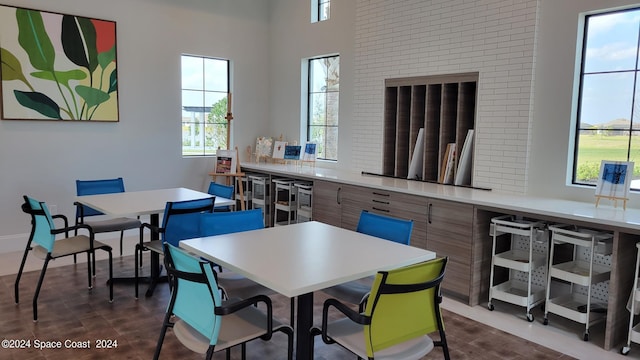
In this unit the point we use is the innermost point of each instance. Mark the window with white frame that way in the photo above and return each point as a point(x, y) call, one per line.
point(320, 10)
point(608, 111)
point(205, 86)
point(323, 105)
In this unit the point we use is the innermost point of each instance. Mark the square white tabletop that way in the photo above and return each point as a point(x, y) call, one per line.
point(301, 258)
point(135, 203)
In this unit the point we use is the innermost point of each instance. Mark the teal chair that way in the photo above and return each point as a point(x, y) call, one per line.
point(180, 221)
point(202, 321)
point(381, 226)
point(42, 241)
point(102, 225)
point(225, 191)
point(403, 310)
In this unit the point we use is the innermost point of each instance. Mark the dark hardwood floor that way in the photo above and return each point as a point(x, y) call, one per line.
point(68, 311)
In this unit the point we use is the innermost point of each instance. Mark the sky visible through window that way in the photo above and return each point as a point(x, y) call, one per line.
point(609, 67)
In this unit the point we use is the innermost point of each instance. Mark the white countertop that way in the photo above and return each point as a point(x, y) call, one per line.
point(566, 209)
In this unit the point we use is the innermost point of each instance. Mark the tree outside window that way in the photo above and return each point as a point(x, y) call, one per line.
point(205, 85)
point(323, 105)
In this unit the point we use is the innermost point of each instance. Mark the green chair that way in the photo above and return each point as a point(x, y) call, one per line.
point(42, 241)
point(204, 323)
point(403, 309)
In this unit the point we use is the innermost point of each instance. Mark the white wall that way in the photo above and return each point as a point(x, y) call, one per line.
point(43, 159)
point(553, 118)
point(293, 39)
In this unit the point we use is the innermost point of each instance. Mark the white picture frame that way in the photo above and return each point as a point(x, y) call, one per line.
point(263, 147)
point(278, 149)
point(614, 179)
point(226, 162)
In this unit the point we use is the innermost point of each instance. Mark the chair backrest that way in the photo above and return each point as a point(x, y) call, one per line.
point(96, 187)
point(41, 223)
point(404, 304)
point(181, 219)
point(225, 191)
point(385, 227)
point(195, 294)
point(219, 223)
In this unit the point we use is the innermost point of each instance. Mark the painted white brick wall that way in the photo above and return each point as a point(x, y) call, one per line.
point(401, 38)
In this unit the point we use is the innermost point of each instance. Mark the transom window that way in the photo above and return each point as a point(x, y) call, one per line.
point(320, 10)
point(323, 105)
point(608, 122)
point(205, 86)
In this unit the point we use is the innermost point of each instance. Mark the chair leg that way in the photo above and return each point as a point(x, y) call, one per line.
point(293, 312)
point(16, 286)
point(38, 287)
point(89, 272)
point(163, 331)
point(110, 276)
point(121, 238)
point(443, 344)
point(135, 255)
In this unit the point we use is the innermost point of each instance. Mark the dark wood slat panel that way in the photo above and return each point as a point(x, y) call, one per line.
point(389, 131)
point(402, 132)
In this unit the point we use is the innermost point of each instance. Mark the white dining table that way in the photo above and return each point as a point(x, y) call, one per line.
point(296, 260)
point(145, 202)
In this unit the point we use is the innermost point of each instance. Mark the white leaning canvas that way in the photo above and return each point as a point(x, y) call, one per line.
point(415, 166)
point(278, 149)
point(614, 180)
point(463, 175)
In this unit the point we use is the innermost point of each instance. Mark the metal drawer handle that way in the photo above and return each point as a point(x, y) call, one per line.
point(377, 209)
point(381, 194)
point(380, 202)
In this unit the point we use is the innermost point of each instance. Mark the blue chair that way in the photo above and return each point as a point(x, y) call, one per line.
point(42, 241)
point(384, 227)
point(225, 191)
point(235, 221)
point(204, 323)
point(180, 222)
point(96, 187)
point(219, 223)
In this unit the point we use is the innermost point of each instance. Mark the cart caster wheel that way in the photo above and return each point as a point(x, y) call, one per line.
point(586, 336)
point(545, 321)
point(530, 317)
point(625, 350)
point(490, 307)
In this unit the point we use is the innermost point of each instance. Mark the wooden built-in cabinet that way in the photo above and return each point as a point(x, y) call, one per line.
point(444, 105)
point(450, 233)
point(441, 226)
point(399, 205)
point(327, 203)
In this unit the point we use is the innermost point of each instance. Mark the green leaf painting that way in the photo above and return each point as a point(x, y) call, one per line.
point(57, 66)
